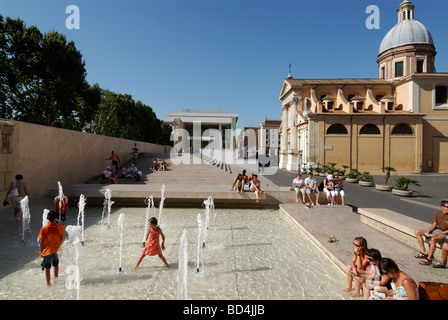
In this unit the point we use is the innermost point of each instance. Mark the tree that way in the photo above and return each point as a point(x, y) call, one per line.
point(43, 78)
point(388, 170)
point(118, 115)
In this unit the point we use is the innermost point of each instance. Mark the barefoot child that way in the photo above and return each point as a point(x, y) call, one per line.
point(152, 246)
point(50, 239)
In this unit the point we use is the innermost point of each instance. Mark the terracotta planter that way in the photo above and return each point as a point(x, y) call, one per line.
point(382, 187)
point(365, 183)
point(402, 193)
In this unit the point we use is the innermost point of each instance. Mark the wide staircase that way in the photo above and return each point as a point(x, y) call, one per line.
point(188, 180)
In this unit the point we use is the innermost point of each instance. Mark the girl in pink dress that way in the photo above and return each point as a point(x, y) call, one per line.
point(152, 246)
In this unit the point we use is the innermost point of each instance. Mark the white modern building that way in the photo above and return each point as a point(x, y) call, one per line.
point(196, 129)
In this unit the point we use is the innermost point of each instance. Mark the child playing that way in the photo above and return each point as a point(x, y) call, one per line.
point(60, 203)
point(50, 239)
point(152, 246)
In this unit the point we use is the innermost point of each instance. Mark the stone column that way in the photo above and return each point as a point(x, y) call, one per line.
point(284, 139)
point(293, 156)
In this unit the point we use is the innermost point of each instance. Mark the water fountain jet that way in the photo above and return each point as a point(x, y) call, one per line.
point(182, 272)
point(199, 258)
point(81, 206)
point(74, 281)
point(162, 200)
point(107, 206)
point(208, 205)
point(120, 223)
point(60, 198)
point(150, 209)
point(26, 217)
point(45, 221)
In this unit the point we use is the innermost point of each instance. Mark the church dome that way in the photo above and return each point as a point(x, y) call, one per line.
point(404, 33)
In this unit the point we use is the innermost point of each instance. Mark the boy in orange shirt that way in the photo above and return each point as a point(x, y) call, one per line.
point(50, 239)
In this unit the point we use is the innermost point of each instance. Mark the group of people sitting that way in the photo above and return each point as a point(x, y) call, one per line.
point(252, 182)
point(130, 172)
point(331, 185)
point(110, 176)
point(378, 278)
point(158, 166)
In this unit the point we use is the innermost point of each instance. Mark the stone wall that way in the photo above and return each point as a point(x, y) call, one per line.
point(45, 155)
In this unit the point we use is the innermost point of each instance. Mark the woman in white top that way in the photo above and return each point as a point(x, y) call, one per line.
point(403, 286)
point(299, 186)
point(329, 189)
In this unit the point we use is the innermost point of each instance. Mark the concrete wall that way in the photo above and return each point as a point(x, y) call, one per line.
point(45, 155)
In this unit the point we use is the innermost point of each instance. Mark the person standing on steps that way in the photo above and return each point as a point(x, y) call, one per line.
point(115, 160)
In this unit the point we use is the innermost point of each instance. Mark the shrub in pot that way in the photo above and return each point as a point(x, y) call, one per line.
point(401, 186)
point(353, 176)
point(366, 179)
point(385, 186)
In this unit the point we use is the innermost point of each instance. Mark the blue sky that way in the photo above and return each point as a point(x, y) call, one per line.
point(224, 54)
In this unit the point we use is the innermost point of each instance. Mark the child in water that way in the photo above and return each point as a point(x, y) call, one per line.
point(152, 246)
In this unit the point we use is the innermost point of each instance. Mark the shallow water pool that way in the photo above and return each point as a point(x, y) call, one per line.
point(249, 254)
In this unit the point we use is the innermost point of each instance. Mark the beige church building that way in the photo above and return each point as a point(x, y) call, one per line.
point(399, 119)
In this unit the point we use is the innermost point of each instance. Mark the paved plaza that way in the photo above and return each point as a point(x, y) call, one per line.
point(189, 184)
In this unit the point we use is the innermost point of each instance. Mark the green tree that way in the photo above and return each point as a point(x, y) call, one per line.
point(118, 115)
point(43, 78)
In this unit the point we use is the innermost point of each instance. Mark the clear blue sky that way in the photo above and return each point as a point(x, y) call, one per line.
point(224, 54)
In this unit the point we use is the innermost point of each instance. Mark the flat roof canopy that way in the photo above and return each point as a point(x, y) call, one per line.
point(202, 115)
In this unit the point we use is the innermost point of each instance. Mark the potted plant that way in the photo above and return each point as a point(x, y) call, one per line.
point(332, 167)
point(324, 170)
point(317, 169)
point(353, 176)
point(366, 179)
point(401, 186)
point(385, 186)
point(342, 172)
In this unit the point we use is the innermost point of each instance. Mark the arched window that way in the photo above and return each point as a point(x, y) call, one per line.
point(369, 129)
point(337, 128)
point(402, 128)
